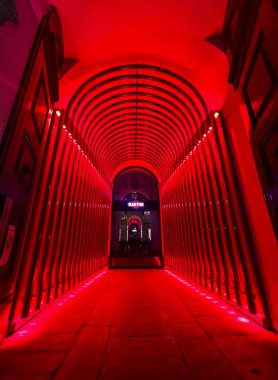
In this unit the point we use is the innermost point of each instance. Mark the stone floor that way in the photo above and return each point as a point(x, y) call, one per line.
point(139, 324)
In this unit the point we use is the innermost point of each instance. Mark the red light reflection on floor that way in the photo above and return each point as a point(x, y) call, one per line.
point(237, 315)
point(35, 326)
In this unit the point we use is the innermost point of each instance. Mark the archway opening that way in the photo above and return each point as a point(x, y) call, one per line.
point(135, 238)
point(135, 233)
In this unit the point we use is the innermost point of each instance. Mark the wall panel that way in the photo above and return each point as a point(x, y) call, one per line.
point(205, 236)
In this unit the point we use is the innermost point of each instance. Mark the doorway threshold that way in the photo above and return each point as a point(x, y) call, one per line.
point(134, 261)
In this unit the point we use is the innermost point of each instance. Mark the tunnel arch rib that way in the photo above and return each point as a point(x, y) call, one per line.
point(139, 113)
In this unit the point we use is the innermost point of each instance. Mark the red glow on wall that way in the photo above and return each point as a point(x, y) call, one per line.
point(28, 330)
point(203, 229)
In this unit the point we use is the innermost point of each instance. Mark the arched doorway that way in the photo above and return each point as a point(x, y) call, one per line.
point(135, 234)
point(135, 217)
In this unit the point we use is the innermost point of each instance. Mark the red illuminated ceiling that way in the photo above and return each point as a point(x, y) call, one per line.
point(136, 113)
point(123, 96)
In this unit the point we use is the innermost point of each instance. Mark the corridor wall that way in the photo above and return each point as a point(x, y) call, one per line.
point(250, 135)
point(204, 226)
point(55, 205)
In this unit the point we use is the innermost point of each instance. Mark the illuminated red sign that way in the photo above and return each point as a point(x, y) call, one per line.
point(135, 204)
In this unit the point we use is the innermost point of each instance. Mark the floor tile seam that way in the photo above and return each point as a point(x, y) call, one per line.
point(34, 351)
point(168, 335)
point(59, 367)
point(210, 336)
point(102, 362)
point(143, 336)
point(238, 333)
point(233, 365)
point(93, 308)
point(77, 333)
point(198, 319)
point(195, 319)
point(39, 372)
point(181, 286)
point(23, 375)
point(68, 306)
point(227, 356)
point(232, 362)
point(86, 322)
point(184, 359)
point(175, 283)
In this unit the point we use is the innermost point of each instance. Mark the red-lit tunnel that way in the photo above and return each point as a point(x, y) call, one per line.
point(59, 166)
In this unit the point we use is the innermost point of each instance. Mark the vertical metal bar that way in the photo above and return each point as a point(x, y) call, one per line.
point(73, 275)
point(36, 226)
point(180, 226)
point(63, 237)
point(44, 238)
point(206, 219)
point(185, 222)
point(240, 227)
point(203, 163)
point(224, 227)
point(60, 222)
point(190, 234)
point(84, 240)
point(70, 219)
point(200, 216)
point(74, 224)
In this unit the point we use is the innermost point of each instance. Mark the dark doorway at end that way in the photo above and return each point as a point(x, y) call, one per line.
point(135, 233)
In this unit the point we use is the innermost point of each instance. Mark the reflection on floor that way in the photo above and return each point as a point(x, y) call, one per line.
point(139, 324)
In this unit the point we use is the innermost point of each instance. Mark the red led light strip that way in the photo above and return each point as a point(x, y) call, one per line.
point(237, 314)
point(25, 328)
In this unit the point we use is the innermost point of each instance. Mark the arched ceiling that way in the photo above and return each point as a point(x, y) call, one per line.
point(145, 76)
point(135, 180)
point(136, 112)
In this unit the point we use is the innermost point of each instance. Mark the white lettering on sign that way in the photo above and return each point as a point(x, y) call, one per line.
point(135, 204)
point(8, 245)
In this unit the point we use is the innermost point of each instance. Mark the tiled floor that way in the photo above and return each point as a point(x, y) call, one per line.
point(139, 324)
